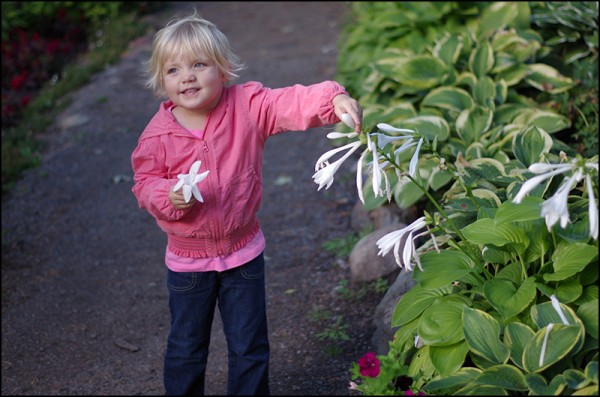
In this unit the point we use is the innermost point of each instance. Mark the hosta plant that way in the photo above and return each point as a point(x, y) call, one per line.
point(506, 300)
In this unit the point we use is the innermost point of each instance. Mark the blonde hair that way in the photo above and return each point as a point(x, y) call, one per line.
point(191, 36)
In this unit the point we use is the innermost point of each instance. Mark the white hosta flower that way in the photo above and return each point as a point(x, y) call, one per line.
point(556, 207)
point(189, 182)
point(396, 239)
point(556, 306)
point(544, 343)
point(324, 171)
point(592, 209)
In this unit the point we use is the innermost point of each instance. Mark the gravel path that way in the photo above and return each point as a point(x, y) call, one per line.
point(84, 301)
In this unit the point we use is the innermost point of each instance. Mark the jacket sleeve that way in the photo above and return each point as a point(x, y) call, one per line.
point(151, 185)
point(294, 108)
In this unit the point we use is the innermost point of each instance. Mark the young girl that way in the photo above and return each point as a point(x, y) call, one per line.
point(215, 246)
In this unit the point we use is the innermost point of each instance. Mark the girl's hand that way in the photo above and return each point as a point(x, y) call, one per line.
point(178, 201)
point(344, 104)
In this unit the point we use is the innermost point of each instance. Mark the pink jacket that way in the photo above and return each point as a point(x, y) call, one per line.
point(232, 149)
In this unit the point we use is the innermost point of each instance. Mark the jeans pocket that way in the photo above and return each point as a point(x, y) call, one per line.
point(181, 281)
point(254, 269)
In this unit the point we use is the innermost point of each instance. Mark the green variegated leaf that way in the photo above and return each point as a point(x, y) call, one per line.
point(406, 194)
point(544, 314)
point(527, 210)
point(460, 378)
point(547, 121)
point(575, 379)
point(484, 92)
point(588, 313)
point(569, 259)
point(481, 390)
point(439, 179)
point(421, 71)
point(481, 60)
point(560, 341)
point(431, 126)
point(496, 16)
point(482, 334)
point(504, 376)
point(441, 323)
point(591, 371)
point(448, 48)
point(442, 269)
point(474, 122)
point(506, 298)
point(413, 304)
point(466, 78)
point(501, 91)
point(513, 75)
point(516, 337)
point(537, 384)
point(530, 145)
point(451, 98)
point(548, 79)
point(448, 359)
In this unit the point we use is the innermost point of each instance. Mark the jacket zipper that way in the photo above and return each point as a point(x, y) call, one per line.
point(218, 215)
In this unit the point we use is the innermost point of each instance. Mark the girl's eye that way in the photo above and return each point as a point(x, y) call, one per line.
point(199, 65)
point(171, 70)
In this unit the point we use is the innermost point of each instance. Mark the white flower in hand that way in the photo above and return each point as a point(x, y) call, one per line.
point(189, 182)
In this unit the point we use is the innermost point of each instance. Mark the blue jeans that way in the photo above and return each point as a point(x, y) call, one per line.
point(240, 294)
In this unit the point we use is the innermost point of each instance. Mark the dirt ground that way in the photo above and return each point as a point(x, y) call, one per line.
point(84, 300)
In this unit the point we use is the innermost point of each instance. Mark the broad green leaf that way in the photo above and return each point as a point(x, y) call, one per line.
point(442, 269)
point(493, 254)
point(548, 79)
point(451, 98)
point(482, 334)
point(421, 365)
point(569, 259)
point(406, 194)
point(481, 390)
point(506, 298)
point(448, 359)
point(431, 126)
point(484, 92)
point(548, 121)
point(587, 391)
point(544, 313)
point(568, 290)
point(513, 75)
point(560, 341)
point(530, 145)
point(588, 313)
point(527, 210)
point(575, 379)
point(496, 16)
point(421, 71)
point(413, 303)
point(474, 122)
point(440, 324)
point(439, 179)
point(448, 48)
point(537, 384)
point(481, 60)
point(486, 231)
point(504, 376)
point(516, 337)
point(461, 377)
point(406, 333)
point(591, 371)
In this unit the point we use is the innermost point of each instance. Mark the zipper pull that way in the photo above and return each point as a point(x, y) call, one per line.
point(204, 146)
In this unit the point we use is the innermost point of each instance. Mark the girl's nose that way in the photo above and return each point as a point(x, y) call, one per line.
point(189, 75)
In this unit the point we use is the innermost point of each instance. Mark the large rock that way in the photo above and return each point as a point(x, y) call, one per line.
point(382, 319)
point(365, 264)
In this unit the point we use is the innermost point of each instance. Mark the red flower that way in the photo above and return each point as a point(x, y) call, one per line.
point(410, 393)
point(369, 365)
point(17, 81)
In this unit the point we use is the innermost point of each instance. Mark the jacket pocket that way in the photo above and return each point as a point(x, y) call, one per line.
point(242, 199)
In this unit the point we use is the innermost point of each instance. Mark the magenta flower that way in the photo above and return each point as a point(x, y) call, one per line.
point(369, 365)
point(410, 393)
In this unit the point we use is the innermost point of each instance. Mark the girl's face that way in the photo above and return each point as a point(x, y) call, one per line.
point(195, 84)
